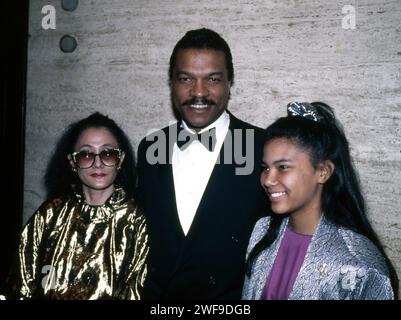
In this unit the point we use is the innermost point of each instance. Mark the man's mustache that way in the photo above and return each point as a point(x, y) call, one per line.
point(193, 101)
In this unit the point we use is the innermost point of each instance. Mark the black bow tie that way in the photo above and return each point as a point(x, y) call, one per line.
point(207, 138)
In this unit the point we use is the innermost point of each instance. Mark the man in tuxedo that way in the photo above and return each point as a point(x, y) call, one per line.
point(198, 179)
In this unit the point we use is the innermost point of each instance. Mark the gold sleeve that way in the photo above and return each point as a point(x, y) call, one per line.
point(134, 277)
point(29, 246)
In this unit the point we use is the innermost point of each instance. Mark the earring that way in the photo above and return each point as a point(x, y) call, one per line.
point(74, 169)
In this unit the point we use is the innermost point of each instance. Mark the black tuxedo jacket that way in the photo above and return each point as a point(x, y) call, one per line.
point(207, 263)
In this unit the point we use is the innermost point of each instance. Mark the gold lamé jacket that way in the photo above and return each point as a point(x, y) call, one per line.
point(72, 250)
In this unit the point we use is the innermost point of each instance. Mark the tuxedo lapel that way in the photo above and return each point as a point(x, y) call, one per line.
point(168, 203)
point(165, 181)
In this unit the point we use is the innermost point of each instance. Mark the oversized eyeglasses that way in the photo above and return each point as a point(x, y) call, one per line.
point(86, 159)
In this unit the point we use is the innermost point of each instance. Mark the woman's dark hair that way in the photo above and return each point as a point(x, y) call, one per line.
point(203, 39)
point(342, 199)
point(59, 177)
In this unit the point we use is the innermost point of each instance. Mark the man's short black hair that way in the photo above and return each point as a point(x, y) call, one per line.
point(203, 39)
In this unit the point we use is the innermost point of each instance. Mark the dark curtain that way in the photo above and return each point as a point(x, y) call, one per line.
point(14, 19)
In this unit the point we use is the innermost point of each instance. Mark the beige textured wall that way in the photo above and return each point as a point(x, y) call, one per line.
point(284, 50)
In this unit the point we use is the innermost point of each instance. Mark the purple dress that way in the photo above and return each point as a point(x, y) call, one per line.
point(285, 269)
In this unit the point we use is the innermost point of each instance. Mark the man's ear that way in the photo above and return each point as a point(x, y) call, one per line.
point(325, 169)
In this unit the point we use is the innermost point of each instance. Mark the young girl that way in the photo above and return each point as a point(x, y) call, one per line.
point(318, 243)
point(89, 240)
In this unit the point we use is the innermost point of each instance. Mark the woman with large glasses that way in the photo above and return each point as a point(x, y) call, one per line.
point(89, 241)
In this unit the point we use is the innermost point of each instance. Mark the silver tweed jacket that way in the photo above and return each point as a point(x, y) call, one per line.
point(339, 265)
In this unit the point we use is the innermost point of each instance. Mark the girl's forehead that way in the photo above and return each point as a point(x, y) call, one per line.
point(283, 142)
point(284, 149)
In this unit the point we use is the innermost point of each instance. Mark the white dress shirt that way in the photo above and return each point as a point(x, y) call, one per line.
point(192, 168)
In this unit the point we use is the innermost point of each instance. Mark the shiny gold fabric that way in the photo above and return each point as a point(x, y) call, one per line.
point(72, 250)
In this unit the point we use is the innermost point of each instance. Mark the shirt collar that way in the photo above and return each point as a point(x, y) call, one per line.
point(221, 124)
